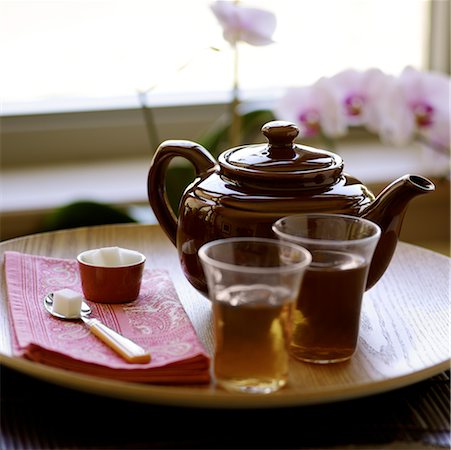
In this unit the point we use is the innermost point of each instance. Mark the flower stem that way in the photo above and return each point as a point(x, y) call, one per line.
point(235, 128)
point(149, 120)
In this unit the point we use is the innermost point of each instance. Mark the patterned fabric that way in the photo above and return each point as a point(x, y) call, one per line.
point(156, 320)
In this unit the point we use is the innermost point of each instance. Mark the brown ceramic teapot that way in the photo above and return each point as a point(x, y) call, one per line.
point(251, 186)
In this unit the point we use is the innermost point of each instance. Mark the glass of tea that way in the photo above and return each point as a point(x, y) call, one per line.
point(327, 315)
point(253, 284)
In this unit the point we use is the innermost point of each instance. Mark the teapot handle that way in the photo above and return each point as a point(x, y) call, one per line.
point(197, 155)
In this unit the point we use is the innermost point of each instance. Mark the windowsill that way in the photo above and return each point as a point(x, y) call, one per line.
point(33, 191)
point(42, 188)
point(123, 181)
point(28, 194)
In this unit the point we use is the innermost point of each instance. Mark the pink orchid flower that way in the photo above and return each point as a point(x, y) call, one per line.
point(427, 95)
point(314, 109)
point(358, 92)
point(239, 23)
point(417, 105)
point(391, 120)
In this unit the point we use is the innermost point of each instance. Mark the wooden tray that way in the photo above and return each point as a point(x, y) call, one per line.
point(404, 331)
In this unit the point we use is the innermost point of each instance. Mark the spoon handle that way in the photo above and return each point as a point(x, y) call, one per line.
point(130, 351)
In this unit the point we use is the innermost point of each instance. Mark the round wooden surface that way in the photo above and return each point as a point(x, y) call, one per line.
point(404, 330)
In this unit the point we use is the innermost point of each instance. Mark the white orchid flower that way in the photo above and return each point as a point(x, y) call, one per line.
point(358, 94)
point(427, 96)
point(240, 23)
point(314, 109)
point(417, 104)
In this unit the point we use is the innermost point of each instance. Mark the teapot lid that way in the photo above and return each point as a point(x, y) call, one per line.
point(282, 161)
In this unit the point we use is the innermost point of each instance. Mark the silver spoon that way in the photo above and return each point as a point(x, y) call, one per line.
point(130, 351)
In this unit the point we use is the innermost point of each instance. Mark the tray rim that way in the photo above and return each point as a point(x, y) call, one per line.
point(205, 397)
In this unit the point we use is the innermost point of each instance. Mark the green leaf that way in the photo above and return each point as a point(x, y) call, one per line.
point(84, 213)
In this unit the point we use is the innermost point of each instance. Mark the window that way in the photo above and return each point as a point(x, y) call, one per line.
point(84, 54)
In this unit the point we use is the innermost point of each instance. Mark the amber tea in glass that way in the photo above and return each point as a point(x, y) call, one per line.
point(327, 314)
point(253, 285)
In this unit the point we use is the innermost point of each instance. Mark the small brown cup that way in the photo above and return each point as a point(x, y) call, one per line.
point(110, 284)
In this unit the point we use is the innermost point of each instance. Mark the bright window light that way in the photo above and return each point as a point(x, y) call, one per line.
point(55, 51)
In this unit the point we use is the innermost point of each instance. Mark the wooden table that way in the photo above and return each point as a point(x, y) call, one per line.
point(403, 356)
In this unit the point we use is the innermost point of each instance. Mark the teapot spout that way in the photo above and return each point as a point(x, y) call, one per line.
point(388, 210)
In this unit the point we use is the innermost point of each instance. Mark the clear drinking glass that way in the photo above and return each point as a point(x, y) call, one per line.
point(327, 316)
point(253, 284)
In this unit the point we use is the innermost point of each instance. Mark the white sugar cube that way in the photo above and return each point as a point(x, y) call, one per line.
point(108, 257)
point(129, 256)
point(67, 302)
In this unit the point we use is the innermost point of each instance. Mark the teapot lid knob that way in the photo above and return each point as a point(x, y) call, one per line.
point(281, 160)
point(280, 133)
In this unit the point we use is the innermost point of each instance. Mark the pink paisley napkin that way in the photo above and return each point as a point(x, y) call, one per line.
point(156, 320)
